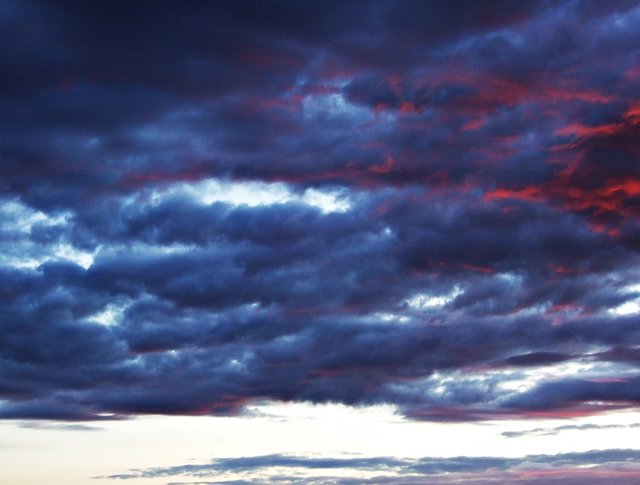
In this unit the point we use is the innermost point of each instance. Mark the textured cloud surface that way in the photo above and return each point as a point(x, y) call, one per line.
point(613, 466)
point(434, 205)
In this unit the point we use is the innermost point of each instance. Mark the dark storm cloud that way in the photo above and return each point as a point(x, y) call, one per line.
point(464, 468)
point(487, 162)
point(562, 393)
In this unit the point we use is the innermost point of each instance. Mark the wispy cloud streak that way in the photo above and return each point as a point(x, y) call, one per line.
point(614, 464)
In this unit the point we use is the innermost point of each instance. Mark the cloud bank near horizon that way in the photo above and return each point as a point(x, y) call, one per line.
point(597, 466)
point(424, 204)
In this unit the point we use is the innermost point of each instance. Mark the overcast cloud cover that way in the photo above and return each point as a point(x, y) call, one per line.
point(433, 205)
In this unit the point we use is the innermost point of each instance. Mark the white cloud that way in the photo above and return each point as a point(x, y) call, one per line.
point(111, 315)
point(253, 194)
point(21, 251)
point(632, 306)
point(424, 301)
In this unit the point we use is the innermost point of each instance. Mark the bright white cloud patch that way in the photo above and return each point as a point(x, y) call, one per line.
point(424, 301)
point(19, 249)
point(254, 194)
point(81, 258)
point(632, 306)
point(111, 315)
point(386, 317)
point(326, 201)
point(16, 216)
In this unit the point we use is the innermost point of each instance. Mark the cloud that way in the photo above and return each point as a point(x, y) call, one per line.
point(58, 426)
point(432, 206)
point(613, 464)
point(566, 427)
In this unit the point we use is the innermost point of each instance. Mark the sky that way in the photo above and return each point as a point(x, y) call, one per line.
point(319, 242)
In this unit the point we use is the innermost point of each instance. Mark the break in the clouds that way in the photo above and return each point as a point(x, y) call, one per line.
point(425, 204)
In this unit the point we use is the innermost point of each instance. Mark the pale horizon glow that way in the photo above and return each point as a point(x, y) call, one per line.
point(299, 429)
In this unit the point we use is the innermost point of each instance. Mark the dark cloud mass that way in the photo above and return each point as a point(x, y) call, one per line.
point(433, 205)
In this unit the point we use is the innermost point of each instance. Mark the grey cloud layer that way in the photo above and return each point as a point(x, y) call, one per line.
point(528, 469)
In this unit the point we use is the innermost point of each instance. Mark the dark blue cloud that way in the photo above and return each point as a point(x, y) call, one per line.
point(486, 162)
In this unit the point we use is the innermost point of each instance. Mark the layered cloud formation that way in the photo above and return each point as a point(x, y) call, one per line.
point(617, 466)
point(434, 205)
